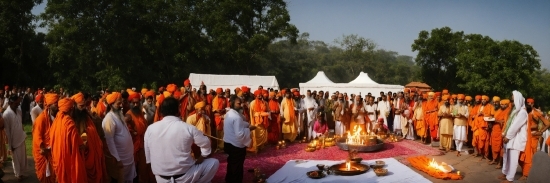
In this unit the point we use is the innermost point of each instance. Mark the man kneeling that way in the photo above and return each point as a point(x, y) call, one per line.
point(168, 148)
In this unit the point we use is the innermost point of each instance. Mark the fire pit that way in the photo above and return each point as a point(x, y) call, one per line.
point(349, 168)
point(359, 142)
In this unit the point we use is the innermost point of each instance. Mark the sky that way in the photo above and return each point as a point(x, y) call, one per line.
point(395, 24)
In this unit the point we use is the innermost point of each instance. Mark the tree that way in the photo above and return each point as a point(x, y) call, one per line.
point(437, 52)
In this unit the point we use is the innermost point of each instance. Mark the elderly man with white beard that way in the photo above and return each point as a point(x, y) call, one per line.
point(311, 107)
point(515, 137)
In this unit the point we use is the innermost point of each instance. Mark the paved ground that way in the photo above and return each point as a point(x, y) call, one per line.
point(474, 171)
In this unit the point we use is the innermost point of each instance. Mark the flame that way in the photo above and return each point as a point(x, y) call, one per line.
point(356, 137)
point(437, 166)
point(348, 166)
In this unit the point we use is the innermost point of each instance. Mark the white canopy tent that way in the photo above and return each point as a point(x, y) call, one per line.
point(363, 84)
point(213, 81)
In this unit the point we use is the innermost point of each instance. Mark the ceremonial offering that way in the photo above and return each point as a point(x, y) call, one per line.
point(378, 164)
point(360, 142)
point(317, 174)
point(357, 159)
point(321, 166)
point(381, 171)
point(349, 168)
point(434, 169)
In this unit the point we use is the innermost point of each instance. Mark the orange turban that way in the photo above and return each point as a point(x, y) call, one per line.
point(411, 94)
point(265, 93)
point(177, 94)
point(530, 100)
point(283, 92)
point(111, 98)
point(237, 90)
point(425, 96)
point(478, 97)
point(445, 91)
point(6, 87)
point(245, 89)
point(454, 96)
point(460, 96)
point(413, 89)
point(468, 98)
point(257, 93)
point(38, 98)
point(445, 97)
point(65, 104)
point(199, 105)
point(171, 88)
point(437, 94)
point(78, 98)
point(496, 99)
point(133, 95)
point(296, 93)
point(484, 97)
point(144, 90)
point(50, 99)
point(160, 99)
point(187, 82)
point(406, 90)
point(219, 90)
point(149, 94)
point(166, 94)
point(504, 101)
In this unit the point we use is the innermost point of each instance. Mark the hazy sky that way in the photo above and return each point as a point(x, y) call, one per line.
point(394, 24)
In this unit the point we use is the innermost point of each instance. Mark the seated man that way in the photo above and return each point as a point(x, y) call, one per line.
point(168, 150)
point(380, 128)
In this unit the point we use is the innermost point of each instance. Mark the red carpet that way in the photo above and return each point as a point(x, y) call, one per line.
point(270, 160)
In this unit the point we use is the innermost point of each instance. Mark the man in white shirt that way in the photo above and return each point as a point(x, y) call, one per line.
point(172, 162)
point(36, 110)
point(236, 139)
point(383, 109)
point(515, 137)
point(311, 107)
point(119, 141)
point(13, 125)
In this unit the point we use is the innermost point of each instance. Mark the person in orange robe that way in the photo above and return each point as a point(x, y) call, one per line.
point(93, 151)
point(67, 146)
point(159, 100)
point(137, 125)
point(218, 109)
point(275, 126)
point(480, 127)
point(501, 116)
point(187, 101)
point(533, 136)
point(473, 113)
point(430, 109)
point(258, 117)
point(41, 140)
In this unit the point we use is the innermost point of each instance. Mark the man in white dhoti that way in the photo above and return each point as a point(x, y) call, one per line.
point(515, 137)
point(311, 107)
point(399, 121)
point(118, 139)
point(172, 162)
point(300, 112)
point(370, 108)
point(13, 125)
point(460, 113)
point(384, 109)
point(338, 110)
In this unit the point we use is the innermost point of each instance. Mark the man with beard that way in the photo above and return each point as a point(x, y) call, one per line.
point(311, 107)
point(534, 121)
point(218, 108)
point(137, 125)
point(187, 102)
point(149, 107)
point(474, 108)
point(480, 127)
point(358, 115)
point(288, 111)
point(41, 140)
point(120, 164)
point(201, 121)
point(420, 125)
point(501, 116)
point(236, 138)
point(515, 136)
point(445, 124)
point(300, 112)
point(399, 121)
point(460, 113)
point(258, 118)
point(430, 115)
point(338, 108)
point(383, 108)
point(274, 122)
point(92, 144)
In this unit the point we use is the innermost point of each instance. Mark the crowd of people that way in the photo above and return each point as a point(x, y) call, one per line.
point(170, 134)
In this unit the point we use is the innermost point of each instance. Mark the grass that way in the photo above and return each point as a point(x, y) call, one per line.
point(28, 141)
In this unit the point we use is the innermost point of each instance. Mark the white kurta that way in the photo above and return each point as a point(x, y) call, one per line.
point(35, 111)
point(119, 141)
point(517, 135)
point(384, 108)
point(16, 139)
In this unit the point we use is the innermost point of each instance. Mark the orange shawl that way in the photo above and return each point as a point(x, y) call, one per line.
point(95, 161)
point(67, 160)
point(41, 138)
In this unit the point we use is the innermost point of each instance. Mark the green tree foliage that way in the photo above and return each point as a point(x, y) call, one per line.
point(476, 64)
point(21, 53)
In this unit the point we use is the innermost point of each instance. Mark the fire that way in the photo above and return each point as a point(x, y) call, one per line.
point(442, 167)
point(348, 166)
point(356, 137)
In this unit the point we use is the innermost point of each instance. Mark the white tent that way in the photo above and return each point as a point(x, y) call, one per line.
point(363, 84)
point(213, 81)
